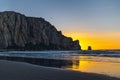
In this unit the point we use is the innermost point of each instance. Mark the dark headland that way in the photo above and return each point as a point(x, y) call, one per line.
point(18, 31)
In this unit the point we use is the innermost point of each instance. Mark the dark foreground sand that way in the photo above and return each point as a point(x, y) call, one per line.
point(23, 71)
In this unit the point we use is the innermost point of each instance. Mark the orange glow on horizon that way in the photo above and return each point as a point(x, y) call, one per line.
point(97, 41)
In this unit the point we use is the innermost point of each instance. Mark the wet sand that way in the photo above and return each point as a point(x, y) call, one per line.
point(10, 70)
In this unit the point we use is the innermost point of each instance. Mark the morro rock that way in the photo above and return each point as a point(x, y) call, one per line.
point(18, 31)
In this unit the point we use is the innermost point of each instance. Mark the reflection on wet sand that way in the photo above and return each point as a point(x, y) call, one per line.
point(100, 67)
point(92, 64)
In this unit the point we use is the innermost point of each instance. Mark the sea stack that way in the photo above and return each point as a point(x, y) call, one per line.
point(18, 31)
point(89, 48)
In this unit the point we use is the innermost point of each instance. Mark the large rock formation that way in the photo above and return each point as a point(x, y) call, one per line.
point(20, 32)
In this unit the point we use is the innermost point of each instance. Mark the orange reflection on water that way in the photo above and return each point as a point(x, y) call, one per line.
point(88, 64)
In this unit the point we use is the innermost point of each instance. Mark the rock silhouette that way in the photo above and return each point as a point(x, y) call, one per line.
point(18, 31)
point(89, 48)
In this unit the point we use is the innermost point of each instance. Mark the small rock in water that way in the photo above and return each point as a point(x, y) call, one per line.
point(89, 48)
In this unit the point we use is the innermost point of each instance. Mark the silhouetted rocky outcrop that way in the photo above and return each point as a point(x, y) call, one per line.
point(20, 32)
point(89, 48)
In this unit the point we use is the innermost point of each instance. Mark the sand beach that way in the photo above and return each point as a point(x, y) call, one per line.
point(11, 70)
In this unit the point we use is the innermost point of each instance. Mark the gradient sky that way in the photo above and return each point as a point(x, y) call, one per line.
point(93, 22)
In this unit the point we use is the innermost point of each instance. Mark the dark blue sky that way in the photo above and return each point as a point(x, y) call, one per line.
point(86, 15)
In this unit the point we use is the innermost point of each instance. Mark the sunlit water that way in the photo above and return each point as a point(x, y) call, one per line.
point(107, 63)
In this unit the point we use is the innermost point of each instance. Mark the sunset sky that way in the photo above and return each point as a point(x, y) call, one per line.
point(93, 22)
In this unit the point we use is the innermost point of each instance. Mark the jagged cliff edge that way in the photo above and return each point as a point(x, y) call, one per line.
point(18, 31)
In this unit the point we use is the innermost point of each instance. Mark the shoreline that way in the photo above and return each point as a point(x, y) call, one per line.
point(98, 53)
point(11, 70)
